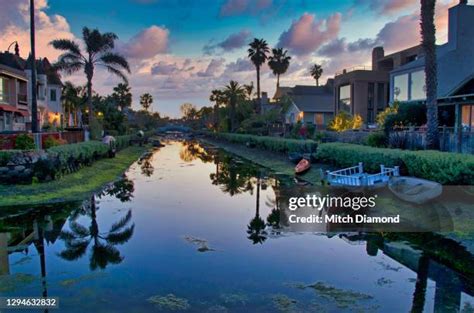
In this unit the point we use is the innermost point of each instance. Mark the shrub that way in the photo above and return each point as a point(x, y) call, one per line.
point(73, 156)
point(275, 144)
point(377, 140)
point(24, 142)
point(381, 117)
point(50, 141)
point(344, 121)
point(407, 114)
point(443, 167)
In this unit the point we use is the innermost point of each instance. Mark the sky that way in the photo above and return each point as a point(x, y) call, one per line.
point(179, 50)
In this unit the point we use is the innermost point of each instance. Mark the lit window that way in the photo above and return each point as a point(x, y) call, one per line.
point(418, 87)
point(400, 87)
point(345, 100)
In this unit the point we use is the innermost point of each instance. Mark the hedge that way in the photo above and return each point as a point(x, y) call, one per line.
point(275, 144)
point(444, 167)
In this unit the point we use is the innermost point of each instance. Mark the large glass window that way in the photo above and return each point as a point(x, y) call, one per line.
point(3, 89)
point(381, 100)
point(400, 87)
point(345, 100)
point(418, 87)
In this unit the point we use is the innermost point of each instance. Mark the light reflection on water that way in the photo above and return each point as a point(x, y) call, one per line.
point(193, 222)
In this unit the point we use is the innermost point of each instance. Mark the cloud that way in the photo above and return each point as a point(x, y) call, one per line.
point(240, 65)
point(386, 7)
point(163, 68)
point(147, 43)
point(232, 42)
point(213, 68)
point(307, 34)
point(242, 7)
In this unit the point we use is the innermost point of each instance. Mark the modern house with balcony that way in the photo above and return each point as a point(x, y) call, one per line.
point(455, 65)
point(309, 104)
point(365, 90)
point(14, 113)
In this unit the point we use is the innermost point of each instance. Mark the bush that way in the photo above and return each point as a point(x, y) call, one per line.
point(344, 121)
point(443, 167)
point(73, 156)
point(275, 144)
point(24, 142)
point(407, 114)
point(50, 141)
point(377, 140)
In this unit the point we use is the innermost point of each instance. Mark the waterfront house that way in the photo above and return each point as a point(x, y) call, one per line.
point(14, 111)
point(364, 90)
point(455, 73)
point(309, 104)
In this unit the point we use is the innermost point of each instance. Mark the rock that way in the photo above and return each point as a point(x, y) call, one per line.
point(20, 168)
point(3, 169)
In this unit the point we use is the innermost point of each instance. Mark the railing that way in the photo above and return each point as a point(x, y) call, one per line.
point(22, 98)
point(355, 176)
point(354, 68)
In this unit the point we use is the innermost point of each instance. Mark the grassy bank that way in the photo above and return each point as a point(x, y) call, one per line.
point(72, 187)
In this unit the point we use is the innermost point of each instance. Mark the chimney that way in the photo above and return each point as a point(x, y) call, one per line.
point(377, 54)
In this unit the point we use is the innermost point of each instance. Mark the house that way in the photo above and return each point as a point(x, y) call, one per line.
point(14, 112)
point(309, 104)
point(365, 90)
point(455, 73)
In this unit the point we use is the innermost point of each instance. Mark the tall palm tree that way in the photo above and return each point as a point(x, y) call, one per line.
point(316, 71)
point(233, 91)
point(249, 90)
point(428, 42)
point(146, 100)
point(122, 96)
point(258, 55)
point(217, 96)
point(98, 52)
point(279, 63)
point(71, 101)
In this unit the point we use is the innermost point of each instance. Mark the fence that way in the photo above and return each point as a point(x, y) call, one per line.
point(7, 140)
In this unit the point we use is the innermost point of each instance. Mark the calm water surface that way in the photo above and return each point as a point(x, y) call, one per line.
point(185, 231)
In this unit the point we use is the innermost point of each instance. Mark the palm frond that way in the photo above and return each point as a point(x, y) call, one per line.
point(115, 59)
point(116, 72)
point(73, 254)
point(121, 223)
point(66, 45)
point(122, 237)
point(79, 230)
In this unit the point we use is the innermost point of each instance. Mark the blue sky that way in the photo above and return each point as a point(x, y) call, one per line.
point(180, 50)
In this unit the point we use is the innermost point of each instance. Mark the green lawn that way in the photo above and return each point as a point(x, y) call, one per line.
point(72, 187)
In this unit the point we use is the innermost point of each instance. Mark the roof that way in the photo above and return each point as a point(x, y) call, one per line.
point(310, 98)
point(11, 60)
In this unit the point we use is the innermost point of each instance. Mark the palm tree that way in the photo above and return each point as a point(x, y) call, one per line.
point(122, 96)
point(71, 101)
point(258, 55)
point(146, 100)
point(98, 52)
point(279, 63)
point(233, 91)
point(428, 42)
point(249, 90)
point(316, 71)
point(217, 96)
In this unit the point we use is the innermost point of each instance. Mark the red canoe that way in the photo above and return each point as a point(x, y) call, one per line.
point(302, 166)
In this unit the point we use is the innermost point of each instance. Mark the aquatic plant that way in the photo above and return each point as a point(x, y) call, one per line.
point(284, 303)
point(234, 298)
point(9, 283)
point(169, 302)
point(202, 244)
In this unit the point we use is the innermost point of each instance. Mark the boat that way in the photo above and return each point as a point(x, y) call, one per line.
point(310, 156)
point(415, 190)
point(295, 157)
point(355, 177)
point(302, 166)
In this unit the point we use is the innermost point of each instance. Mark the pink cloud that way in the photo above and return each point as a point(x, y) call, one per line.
point(307, 34)
point(147, 43)
point(240, 7)
point(232, 42)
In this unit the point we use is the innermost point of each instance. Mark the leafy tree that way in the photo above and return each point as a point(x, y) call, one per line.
point(98, 52)
point(279, 63)
point(218, 97)
point(72, 101)
point(188, 111)
point(258, 55)
point(316, 72)
point(428, 42)
point(112, 119)
point(233, 92)
point(146, 101)
point(249, 90)
point(122, 96)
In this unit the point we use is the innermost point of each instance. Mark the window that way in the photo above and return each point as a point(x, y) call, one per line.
point(400, 87)
point(418, 88)
point(381, 100)
point(467, 117)
point(3, 89)
point(319, 119)
point(52, 95)
point(370, 102)
point(345, 101)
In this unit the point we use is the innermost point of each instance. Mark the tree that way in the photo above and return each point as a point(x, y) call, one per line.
point(146, 100)
point(258, 55)
point(316, 71)
point(279, 63)
point(122, 96)
point(72, 101)
point(249, 90)
point(233, 92)
point(188, 110)
point(98, 52)
point(428, 42)
point(217, 96)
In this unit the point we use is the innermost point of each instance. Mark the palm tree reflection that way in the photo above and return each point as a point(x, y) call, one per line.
point(256, 227)
point(103, 250)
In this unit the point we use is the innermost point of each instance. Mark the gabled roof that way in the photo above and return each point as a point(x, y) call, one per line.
point(310, 98)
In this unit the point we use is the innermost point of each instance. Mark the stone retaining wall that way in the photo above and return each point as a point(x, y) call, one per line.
point(20, 167)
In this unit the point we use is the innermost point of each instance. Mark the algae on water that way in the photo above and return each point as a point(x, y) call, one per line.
point(169, 302)
point(12, 282)
point(284, 303)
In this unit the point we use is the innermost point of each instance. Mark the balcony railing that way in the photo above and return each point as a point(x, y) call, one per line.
point(354, 68)
point(22, 98)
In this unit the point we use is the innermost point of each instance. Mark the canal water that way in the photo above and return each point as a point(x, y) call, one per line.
point(190, 229)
